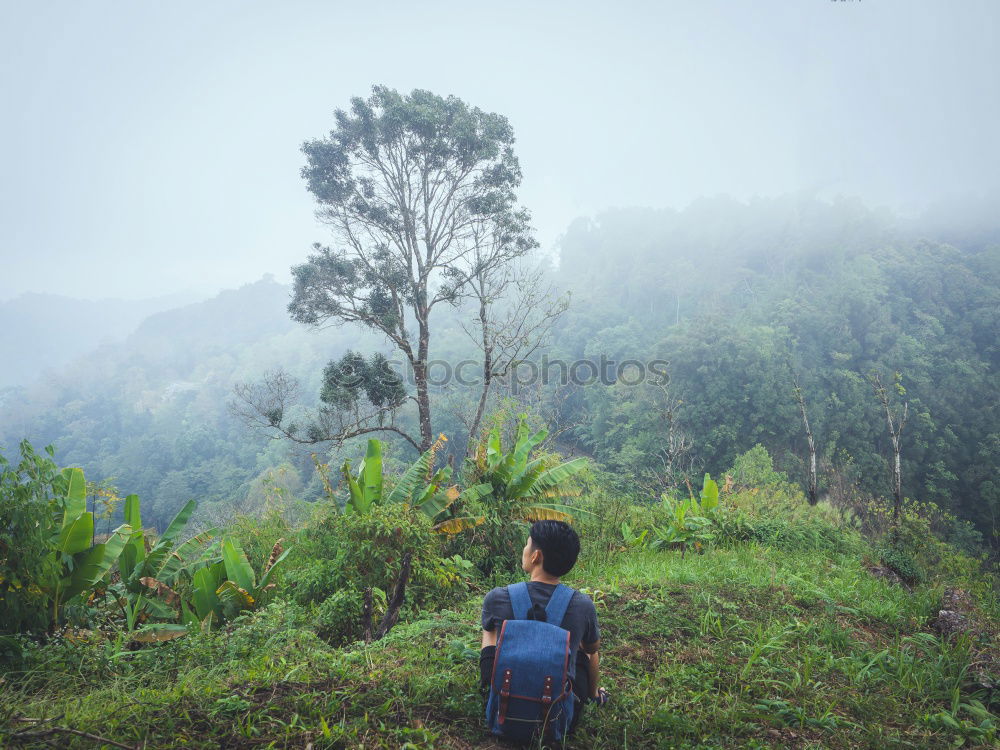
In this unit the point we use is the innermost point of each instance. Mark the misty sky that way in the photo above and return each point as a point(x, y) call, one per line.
point(153, 147)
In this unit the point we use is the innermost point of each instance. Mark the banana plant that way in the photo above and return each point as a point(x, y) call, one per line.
point(709, 497)
point(205, 597)
point(84, 564)
point(631, 538)
point(366, 489)
point(158, 565)
point(229, 586)
point(432, 494)
point(419, 486)
point(685, 526)
point(522, 488)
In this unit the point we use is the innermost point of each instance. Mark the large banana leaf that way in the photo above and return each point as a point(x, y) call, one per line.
point(444, 499)
point(518, 458)
point(709, 494)
point(75, 500)
point(371, 474)
point(238, 568)
point(239, 597)
point(522, 485)
point(159, 633)
point(157, 608)
point(494, 453)
point(135, 549)
point(415, 476)
point(356, 499)
point(160, 550)
point(133, 516)
point(441, 476)
point(205, 583)
point(76, 536)
point(552, 482)
point(433, 503)
point(185, 555)
point(455, 525)
point(96, 562)
point(548, 512)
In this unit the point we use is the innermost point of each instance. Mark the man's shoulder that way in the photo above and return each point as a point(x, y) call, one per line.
point(499, 592)
point(583, 601)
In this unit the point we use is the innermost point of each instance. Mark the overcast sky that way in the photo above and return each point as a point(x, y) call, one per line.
point(152, 147)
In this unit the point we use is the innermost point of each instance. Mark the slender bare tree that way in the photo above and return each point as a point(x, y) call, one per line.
point(514, 312)
point(800, 399)
point(896, 421)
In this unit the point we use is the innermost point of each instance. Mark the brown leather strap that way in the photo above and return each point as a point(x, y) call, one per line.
point(504, 695)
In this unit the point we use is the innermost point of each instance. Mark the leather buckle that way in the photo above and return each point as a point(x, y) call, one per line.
point(504, 696)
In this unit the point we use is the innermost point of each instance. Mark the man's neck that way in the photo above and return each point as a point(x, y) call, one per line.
point(540, 576)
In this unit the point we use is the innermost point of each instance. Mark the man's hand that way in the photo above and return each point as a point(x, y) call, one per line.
point(601, 698)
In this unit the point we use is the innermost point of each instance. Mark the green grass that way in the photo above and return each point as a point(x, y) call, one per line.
point(741, 647)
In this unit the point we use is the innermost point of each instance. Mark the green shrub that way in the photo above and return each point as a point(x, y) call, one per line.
point(28, 566)
point(315, 580)
point(755, 468)
point(339, 556)
point(337, 619)
point(901, 562)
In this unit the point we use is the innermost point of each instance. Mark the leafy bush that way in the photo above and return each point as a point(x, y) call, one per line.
point(338, 617)
point(27, 498)
point(755, 468)
point(901, 562)
point(339, 556)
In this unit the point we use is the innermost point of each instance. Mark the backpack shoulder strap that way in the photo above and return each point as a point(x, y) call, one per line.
point(555, 610)
point(519, 600)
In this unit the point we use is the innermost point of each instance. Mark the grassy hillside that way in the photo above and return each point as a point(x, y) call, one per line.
point(746, 645)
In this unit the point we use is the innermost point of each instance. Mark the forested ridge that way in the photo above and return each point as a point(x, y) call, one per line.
point(740, 299)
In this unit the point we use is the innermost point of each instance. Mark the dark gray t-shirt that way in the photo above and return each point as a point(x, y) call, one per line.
point(580, 619)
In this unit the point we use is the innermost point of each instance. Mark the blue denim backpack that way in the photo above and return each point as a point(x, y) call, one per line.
point(531, 692)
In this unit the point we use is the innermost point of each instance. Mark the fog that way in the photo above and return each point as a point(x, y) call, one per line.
point(151, 149)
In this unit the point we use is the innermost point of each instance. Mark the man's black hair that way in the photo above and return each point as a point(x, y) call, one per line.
point(559, 544)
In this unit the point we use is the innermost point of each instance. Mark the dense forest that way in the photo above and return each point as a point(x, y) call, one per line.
point(742, 301)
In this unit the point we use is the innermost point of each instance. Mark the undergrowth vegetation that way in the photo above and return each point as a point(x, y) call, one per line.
point(732, 615)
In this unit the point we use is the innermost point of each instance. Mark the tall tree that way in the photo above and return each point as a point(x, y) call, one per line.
point(515, 311)
point(419, 193)
point(801, 401)
point(896, 421)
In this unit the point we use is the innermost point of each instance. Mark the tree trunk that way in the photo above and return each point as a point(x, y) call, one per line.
point(398, 596)
point(897, 482)
point(487, 377)
point(366, 615)
point(813, 496)
point(895, 431)
point(423, 396)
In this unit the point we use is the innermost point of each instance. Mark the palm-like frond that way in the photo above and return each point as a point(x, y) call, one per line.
point(417, 474)
point(547, 512)
point(455, 525)
point(524, 482)
point(553, 482)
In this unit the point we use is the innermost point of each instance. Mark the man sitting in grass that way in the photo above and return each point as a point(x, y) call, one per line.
point(549, 553)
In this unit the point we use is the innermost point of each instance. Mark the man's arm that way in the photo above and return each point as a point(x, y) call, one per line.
point(593, 665)
point(489, 638)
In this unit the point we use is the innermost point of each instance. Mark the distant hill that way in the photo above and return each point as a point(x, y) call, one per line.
point(43, 332)
point(150, 409)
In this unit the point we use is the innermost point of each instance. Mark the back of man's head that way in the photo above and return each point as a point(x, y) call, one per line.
point(559, 544)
